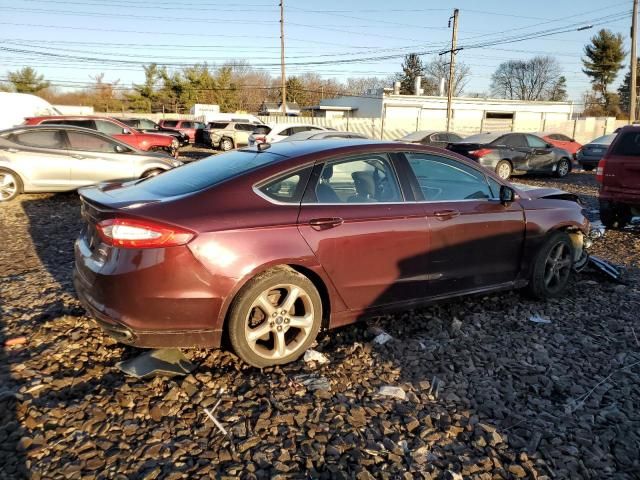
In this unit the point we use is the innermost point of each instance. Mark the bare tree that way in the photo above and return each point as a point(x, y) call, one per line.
point(438, 68)
point(534, 79)
point(360, 85)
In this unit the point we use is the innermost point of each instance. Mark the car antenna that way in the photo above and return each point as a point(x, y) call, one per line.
point(263, 146)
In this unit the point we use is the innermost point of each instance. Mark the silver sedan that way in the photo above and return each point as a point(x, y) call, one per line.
point(59, 158)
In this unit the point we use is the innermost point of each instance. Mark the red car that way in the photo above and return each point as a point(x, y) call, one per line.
point(147, 142)
point(619, 176)
point(561, 141)
point(267, 246)
point(194, 130)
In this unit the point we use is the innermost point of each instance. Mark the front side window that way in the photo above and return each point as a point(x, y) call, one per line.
point(287, 189)
point(90, 143)
point(442, 179)
point(535, 142)
point(366, 179)
point(169, 123)
point(513, 141)
point(146, 124)
point(108, 128)
point(186, 125)
point(39, 139)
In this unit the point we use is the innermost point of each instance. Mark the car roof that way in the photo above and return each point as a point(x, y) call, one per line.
point(21, 128)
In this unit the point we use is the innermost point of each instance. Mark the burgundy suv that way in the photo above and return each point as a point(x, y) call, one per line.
point(267, 246)
point(619, 176)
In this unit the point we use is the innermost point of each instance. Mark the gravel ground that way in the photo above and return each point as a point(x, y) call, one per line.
point(488, 393)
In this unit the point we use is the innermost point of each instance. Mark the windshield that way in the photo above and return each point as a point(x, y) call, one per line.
point(207, 172)
point(605, 139)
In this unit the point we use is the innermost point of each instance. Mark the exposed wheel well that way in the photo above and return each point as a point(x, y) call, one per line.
point(310, 274)
point(151, 171)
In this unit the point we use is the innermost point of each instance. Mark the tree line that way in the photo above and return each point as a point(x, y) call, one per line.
point(240, 87)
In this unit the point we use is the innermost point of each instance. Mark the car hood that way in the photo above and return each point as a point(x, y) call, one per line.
point(529, 191)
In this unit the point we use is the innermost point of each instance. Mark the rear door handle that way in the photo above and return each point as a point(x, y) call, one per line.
point(79, 157)
point(446, 214)
point(325, 223)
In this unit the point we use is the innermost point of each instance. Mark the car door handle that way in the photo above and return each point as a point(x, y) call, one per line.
point(446, 214)
point(325, 223)
point(79, 157)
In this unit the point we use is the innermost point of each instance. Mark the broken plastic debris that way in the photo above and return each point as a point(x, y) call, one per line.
point(315, 356)
point(612, 271)
point(382, 338)
point(537, 318)
point(166, 362)
point(10, 342)
point(395, 392)
point(313, 382)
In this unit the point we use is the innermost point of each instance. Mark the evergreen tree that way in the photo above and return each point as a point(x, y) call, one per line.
point(411, 68)
point(625, 89)
point(602, 62)
point(26, 80)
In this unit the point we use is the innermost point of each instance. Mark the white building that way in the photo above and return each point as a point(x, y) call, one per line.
point(430, 112)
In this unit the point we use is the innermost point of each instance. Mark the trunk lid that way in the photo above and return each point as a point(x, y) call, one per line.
point(465, 148)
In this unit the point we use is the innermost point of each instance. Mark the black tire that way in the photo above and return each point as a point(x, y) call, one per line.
point(12, 188)
point(613, 215)
point(504, 169)
point(226, 144)
point(152, 173)
point(247, 314)
point(563, 167)
point(552, 267)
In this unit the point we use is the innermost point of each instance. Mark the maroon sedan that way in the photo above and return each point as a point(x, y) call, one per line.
point(269, 246)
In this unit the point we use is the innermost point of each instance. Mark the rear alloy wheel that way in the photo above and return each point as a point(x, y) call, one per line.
point(275, 318)
point(10, 185)
point(226, 144)
point(552, 267)
point(503, 169)
point(563, 167)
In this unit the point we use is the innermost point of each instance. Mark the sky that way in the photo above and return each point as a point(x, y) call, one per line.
point(70, 41)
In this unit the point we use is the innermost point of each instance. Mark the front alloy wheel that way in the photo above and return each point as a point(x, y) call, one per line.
point(9, 186)
point(552, 266)
point(275, 318)
point(226, 144)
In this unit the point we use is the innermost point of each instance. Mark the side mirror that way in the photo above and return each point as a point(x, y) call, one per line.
point(126, 131)
point(121, 149)
point(572, 139)
point(507, 195)
point(549, 145)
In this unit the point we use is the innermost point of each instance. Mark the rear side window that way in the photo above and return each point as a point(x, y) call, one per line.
point(187, 125)
point(245, 127)
point(287, 189)
point(207, 172)
point(39, 139)
point(514, 141)
point(218, 125)
point(76, 123)
point(628, 145)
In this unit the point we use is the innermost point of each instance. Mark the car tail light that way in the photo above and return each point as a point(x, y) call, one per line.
point(130, 233)
point(480, 153)
point(600, 170)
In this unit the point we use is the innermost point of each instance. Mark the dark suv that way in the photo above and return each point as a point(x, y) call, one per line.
point(619, 177)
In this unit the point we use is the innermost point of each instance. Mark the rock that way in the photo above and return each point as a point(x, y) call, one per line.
point(518, 471)
point(391, 391)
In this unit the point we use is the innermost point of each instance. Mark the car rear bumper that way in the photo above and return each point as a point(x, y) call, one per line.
point(629, 197)
point(149, 298)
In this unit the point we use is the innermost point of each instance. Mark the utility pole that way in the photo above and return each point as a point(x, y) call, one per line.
point(452, 61)
point(633, 90)
point(284, 79)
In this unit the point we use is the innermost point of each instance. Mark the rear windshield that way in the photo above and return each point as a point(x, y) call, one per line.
point(207, 172)
point(628, 145)
point(605, 139)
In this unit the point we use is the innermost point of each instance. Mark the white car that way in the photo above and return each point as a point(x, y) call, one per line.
point(275, 132)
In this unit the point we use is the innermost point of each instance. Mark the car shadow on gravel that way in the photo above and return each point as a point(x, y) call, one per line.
point(12, 458)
